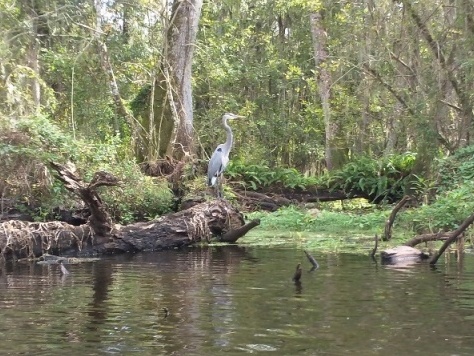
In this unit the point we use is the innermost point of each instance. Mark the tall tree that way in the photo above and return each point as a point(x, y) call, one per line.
point(446, 65)
point(334, 153)
point(31, 9)
point(120, 108)
point(167, 122)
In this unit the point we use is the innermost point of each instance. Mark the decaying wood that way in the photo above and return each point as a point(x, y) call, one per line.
point(297, 275)
point(312, 260)
point(402, 255)
point(20, 239)
point(388, 225)
point(99, 221)
point(258, 201)
point(272, 198)
point(198, 223)
point(448, 238)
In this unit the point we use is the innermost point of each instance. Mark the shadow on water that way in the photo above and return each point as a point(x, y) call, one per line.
point(237, 299)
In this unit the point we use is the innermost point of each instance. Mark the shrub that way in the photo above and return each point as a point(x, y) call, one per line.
point(456, 169)
point(380, 180)
point(255, 176)
point(139, 197)
point(27, 182)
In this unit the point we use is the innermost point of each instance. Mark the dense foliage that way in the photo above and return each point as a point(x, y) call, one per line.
point(380, 180)
point(29, 184)
point(398, 74)
point(390, 92)
point(257, 176)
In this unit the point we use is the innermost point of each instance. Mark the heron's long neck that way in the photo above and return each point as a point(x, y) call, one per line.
point(229, 140)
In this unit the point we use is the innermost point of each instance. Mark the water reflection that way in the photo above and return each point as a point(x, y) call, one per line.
point(97, 310)
point(237, 300)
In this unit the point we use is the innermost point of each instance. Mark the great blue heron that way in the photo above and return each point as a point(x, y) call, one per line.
point(220, 157)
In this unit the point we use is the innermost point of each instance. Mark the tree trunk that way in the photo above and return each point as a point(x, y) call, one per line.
point(181, 38)
point(168, 119)
point(333, 153)
point(32, 52)
point(120, 108)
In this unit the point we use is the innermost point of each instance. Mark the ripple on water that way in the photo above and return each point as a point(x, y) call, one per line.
point(237, 299)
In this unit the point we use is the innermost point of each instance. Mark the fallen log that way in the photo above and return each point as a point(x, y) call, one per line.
point(196, 224)
point(258, 201)
point(21, 239)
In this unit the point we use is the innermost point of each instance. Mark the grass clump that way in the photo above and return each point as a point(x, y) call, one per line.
point(297, 219)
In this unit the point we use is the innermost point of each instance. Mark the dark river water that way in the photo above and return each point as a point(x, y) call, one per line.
point(237, 300)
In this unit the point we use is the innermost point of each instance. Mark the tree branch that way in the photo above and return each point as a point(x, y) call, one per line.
point(454, 235)
point(388, 225)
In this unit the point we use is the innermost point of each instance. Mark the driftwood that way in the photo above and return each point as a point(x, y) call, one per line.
point(99, 219)
point(440, 236)
point(297, 275)
point(388, 225)
point(20, 239)
point(376, 245)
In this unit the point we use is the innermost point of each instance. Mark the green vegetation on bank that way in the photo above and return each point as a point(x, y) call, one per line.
point(28, 185)
point(444, 202)
point(378, 179)
point(342, 102)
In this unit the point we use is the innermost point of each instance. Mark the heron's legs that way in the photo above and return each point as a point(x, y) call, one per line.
point(219, 190)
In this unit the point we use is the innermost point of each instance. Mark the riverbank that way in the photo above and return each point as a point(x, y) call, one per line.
point(333, 228)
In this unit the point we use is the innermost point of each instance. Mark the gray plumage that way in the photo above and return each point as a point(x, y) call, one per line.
point(220, 158)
